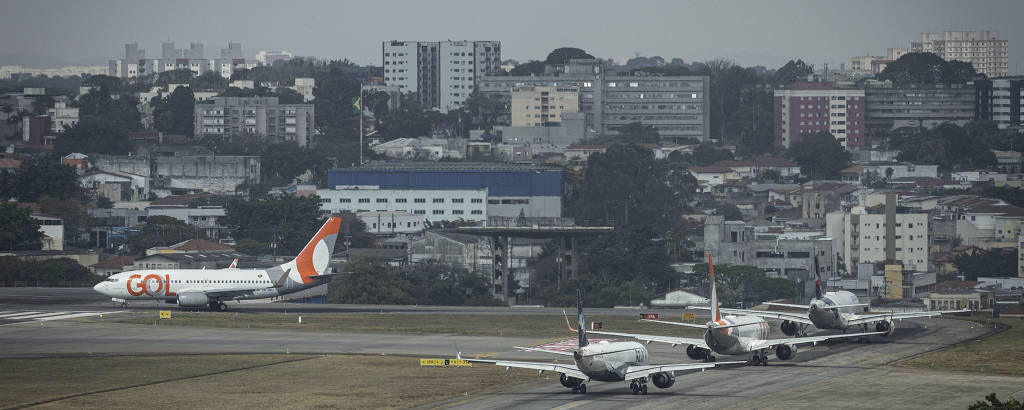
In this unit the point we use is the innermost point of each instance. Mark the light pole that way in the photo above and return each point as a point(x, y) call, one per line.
point(360, 108)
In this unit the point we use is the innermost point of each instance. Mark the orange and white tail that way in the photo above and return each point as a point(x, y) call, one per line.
point(715, 314)
point(315, 257)
point(234, 264)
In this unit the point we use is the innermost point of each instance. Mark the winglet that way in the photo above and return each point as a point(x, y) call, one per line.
point(567, 322)
point(715, 314)
point(280, 281)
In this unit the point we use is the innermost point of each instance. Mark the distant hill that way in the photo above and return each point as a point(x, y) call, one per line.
point(29, 60)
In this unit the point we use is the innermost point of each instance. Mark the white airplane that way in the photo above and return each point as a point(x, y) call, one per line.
point(604, 361)
point(839, 310)
point(733, 335)
point(211, 287)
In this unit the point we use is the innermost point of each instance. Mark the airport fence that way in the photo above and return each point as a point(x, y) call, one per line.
point(45, 284)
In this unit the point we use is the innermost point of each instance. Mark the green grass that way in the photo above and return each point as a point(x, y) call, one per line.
point(1001, 353)
point(232, 381)
point(404, 323)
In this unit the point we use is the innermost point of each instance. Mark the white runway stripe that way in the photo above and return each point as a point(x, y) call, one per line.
point(73, 315)
point(6, 311)
point(37, 315)
point(8, 315)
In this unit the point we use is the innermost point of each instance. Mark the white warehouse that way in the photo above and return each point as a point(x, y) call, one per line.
point(432, 204)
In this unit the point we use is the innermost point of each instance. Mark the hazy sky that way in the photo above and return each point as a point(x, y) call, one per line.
point(749, 32)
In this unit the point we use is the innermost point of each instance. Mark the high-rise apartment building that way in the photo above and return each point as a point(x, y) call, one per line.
point(984, 49)
point(541, 106)
point(229, 117)
point(136, 64)
point(1000, 100)
point(811, 107)
point(880, 234)
point(674, 105)
point(442, 73)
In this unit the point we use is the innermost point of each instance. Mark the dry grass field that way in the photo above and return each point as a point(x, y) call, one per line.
point(242, 381)
point(1001, 353)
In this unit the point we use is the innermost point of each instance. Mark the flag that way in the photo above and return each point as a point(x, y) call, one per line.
point(357, 104)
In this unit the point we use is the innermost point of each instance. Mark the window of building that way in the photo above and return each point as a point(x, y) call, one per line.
point(458, 200)
point(401, 200)
point(364, 200)
point(457, 212)
point(419, 200)
point(438, 212)
point(382, 200)
point(419, 212)
point(438, 200)
point(476, 200)
point(476, 212)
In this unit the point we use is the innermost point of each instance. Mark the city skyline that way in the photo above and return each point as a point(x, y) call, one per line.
point(604, 29)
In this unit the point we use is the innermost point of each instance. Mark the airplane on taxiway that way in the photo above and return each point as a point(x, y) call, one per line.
point(604, 361)
point(839, 310)
point(212, 287)
point(733, 335)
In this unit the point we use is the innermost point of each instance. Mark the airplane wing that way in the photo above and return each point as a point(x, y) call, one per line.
point(534, 349)
point(871, 318)
point(766, 314)
point(223, 293)
point(636, 372)
point(787, 305)
point(770, 343)
point(566, 369)
point(672, 340)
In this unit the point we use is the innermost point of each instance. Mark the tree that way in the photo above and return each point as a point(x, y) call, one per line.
point(792, 72)
point(947, 145)
point(44, 176)
point(59, 272)
point(528, 68)
point(288, 222)
point(71, 212)
point(998, 263)
point(209, 81)
point(637, 133)
point(730, 212)
point(994, 403)
point(819, 155)
point(18, 231)
point(742, 284)
point(369, 281)
point(927, 68)
point(625, 186)
point(176, 113)
point(707, 154)
point(94, 135)
point(122, 112)
point(560, 56)
point(628, 267)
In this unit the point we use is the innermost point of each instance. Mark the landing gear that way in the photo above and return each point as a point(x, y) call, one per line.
point(218, 306)
point(639, 386)
point(124, 305)
point(760, 358)
point(581, 389)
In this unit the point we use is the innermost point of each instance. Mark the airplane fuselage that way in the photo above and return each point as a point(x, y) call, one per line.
point(607, 362)
point(824, 317)
point(736, 340)
point(167, 284)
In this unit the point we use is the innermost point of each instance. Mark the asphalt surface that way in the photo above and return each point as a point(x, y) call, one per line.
point(835, 375)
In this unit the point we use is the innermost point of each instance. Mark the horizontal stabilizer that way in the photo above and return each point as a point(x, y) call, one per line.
point(787, 305)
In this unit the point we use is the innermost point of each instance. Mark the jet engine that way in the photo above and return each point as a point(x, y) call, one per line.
point(193, 299)
point(785, 352)
point(884, 326)
point(569, 382)
point(696, 353)
point(663, 380)
point(789, 328)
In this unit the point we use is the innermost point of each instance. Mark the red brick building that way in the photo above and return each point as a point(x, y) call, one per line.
point(812, 107)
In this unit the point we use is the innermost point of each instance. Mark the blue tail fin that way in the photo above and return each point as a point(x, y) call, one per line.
point(581, 326)
point(817, 283)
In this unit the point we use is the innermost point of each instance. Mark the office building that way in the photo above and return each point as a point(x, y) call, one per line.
point(674, 105)
point(1000, 100)
point(228, 117)
point(268, 58)
point(923, 106)
point(433, 205)
point(442, 73)
point(983, 49)
point(512, 190)
point(813, 107)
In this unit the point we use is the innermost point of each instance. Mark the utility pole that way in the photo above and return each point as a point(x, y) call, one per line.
point(360, 108)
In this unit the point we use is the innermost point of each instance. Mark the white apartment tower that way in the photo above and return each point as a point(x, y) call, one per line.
point(983, 49)
point(443, 73)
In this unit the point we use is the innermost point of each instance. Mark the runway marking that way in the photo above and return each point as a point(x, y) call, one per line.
point(16, 314)
point(571, 405)
point(31, 316)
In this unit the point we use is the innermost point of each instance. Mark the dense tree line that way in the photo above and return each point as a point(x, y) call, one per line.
point(927, 68)
point(999, 263)
point(18, 231)
point(741, 284)
point(819, 155)
point(14, 271)
point(371, 281)
point(949, 146)
point(287, 221)
point(40, 176)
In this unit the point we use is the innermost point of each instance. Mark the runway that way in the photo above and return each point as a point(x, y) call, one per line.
point(840, 375)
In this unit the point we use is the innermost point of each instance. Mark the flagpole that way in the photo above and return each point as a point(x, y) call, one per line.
point(360, 101)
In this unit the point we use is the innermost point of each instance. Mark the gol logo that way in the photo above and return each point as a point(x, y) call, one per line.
point(151, 285)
